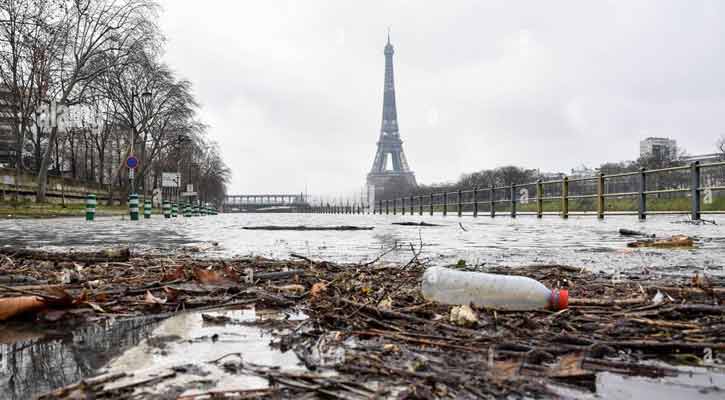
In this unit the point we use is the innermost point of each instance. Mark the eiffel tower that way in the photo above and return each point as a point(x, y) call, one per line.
point(390, 174)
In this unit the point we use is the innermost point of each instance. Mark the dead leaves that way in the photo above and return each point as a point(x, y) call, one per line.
point(151, 299)
point(318, 289)
point(13, 306)
point(290, 289)
point(463, 316)
point(179, 274)
point(211, 277)
point(33, 303)
point(172, 295)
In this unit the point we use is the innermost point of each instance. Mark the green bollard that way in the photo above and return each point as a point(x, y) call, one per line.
point(174, 210)
point(147, 209)
point(187, 210)
point(133, 206)
point(167, 209)
point(90, 206)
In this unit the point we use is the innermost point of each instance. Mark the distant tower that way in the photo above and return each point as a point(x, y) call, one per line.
point(383, 181)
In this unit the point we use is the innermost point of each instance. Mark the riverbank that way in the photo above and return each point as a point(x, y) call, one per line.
point(11, 210)
point(364, 330)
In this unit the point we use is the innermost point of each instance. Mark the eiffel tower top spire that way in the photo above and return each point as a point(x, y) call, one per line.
point(390, 113)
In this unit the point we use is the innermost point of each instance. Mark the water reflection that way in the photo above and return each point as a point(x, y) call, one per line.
point(186, 339)
point(40, 362)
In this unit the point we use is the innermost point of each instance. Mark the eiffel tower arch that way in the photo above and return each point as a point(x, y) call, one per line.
point(390, 175)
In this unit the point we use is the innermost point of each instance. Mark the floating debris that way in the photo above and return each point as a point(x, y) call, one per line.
point(630, 232)
point(421, 223)
point(673, 242)
point(309, 228)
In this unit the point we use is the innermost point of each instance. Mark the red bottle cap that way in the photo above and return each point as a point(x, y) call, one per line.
point(559, 299)
point(563, 299)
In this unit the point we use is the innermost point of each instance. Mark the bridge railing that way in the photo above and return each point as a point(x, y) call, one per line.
point(690, 189)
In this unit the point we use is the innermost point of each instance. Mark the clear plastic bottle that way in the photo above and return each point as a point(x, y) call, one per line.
point(506, 292)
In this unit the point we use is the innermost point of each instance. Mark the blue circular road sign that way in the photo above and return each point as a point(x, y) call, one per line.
point(132, 162)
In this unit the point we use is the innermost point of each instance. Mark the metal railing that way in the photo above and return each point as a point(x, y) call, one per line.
point(510, 199)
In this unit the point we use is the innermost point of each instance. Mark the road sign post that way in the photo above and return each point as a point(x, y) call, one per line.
point(132, 163)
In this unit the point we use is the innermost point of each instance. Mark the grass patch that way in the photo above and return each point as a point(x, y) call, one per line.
point(26, 209)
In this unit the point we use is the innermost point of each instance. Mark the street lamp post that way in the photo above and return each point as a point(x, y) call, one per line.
point(180, 141)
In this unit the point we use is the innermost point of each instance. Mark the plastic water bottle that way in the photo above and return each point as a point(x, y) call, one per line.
point(506, 292)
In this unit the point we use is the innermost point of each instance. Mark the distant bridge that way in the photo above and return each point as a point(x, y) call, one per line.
point(265, 203)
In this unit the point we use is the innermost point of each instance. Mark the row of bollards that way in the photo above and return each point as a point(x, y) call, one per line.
point(170, 210)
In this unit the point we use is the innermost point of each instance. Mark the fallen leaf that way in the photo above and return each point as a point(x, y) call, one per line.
point(151, 299)
point(209, 277)
point(95, 307)
point(391, 348)
point(10, 307)
point(171, 294)
point(293, 288)
point(101, 297)
point(570, 366)
point(232, 274)
point(505, 370)
point(318, 289)
point(179, 274)
point(57, 296)
point(463, 316)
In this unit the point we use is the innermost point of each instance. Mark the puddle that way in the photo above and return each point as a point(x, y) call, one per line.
point(700, 383)
point(36, 361)
point(189, 341)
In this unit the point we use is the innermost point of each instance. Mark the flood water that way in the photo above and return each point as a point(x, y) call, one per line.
point(579, 241)
point(35, 362)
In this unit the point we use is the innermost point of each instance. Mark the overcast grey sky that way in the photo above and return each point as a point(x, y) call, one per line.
point(293, 89)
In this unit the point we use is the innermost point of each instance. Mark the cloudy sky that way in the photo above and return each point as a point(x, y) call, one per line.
point(293, 90)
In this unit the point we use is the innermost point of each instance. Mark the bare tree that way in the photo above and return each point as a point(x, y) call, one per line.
point(27, 43)
point(167, 108)
point(101, 55)
point(94, 32)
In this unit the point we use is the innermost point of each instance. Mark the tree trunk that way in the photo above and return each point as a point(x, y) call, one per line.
point(43, 173)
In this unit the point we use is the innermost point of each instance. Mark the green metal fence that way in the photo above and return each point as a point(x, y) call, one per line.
point(681, 188)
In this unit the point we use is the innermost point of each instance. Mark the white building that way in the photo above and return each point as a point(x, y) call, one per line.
point(659, 148)
point(582, 171)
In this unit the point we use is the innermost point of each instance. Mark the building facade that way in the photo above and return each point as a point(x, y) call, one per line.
point(658, 148)
point(7, 135)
